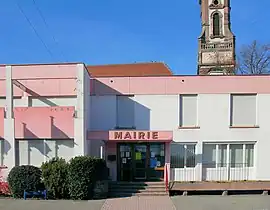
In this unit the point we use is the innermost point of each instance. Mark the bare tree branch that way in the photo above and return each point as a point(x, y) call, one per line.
point(254, 59)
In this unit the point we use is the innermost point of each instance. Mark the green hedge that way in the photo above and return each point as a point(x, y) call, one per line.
point(25, 177)
point(54, 176)
point(83, 173)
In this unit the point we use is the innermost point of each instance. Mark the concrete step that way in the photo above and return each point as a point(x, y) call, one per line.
point(117, 195)
point(126, 189)
point(137, 190)
point(136, 187)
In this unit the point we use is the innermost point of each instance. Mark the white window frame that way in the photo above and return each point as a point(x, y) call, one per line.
point(228, 161)
point(231, 109)
point(185, 153)
point(180, 115)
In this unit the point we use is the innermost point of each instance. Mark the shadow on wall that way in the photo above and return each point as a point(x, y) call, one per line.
point(130, 113)
point(57, 132)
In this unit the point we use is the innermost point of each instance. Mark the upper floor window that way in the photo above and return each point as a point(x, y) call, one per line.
point(243, 110)
point(216, 24)
point(188, 111)
point(125, 111)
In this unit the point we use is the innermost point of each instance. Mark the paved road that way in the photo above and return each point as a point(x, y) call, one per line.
point(247, 202)
point(9, 204)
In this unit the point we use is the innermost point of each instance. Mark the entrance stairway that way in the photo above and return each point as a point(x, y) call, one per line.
point(127, 189)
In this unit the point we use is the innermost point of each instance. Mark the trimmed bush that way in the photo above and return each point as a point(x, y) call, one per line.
point(25, 177)
point(54, 177)
point(83, 173)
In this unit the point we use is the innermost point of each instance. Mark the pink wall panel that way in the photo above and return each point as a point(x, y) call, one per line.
point(44, 122)
point(181, 85)
point(42, 71)
point(44, 87)
point(2, 122)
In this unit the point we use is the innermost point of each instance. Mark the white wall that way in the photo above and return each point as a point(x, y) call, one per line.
point(161, 112)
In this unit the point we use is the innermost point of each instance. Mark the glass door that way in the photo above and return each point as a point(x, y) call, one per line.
point(140, 161)
point(157, 161)
point(125, 162)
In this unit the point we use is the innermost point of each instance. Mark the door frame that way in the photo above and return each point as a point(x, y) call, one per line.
point(132, 167)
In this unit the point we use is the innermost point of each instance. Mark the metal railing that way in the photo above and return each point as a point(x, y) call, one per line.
point(166, 178)
point(213, 172)
point(227, 171)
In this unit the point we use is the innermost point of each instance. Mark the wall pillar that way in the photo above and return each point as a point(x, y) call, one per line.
point(80, 135)
point(199, 162)
point(9, 128)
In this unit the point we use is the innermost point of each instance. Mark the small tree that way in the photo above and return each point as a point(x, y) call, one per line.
point(254, 59)
point(22, 178)
point(83, 173)
point(54, 175)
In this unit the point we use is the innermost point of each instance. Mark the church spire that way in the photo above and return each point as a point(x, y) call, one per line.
point(216, 53)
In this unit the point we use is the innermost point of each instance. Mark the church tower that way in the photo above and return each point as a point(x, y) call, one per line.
point(216, 54)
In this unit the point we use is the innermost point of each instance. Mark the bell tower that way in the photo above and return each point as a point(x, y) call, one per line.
point(216, 54)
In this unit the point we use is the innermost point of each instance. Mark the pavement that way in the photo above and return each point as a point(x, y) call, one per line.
point(245, 202)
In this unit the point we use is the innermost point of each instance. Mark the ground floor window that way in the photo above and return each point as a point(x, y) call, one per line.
point(232, 155)
point(183, 155)
point(36, 151)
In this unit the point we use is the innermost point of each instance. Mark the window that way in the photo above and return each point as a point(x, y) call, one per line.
point(216, 24)
point(34, 152)
point(30, 152)
point(249, 155)
point(183, 155)
point(125, 112)
point(188, 110)
point(215, 155)
point(243, 110)
point(59, 148)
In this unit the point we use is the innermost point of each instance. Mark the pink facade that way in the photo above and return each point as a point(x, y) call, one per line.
point(180, 85)
point(69, 116)
point(44, 122)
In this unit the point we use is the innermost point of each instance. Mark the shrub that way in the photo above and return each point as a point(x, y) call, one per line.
point(83, 173)
point(25, 177)
point(54, 176)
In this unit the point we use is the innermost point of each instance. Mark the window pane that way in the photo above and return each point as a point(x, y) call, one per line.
point(64, 149)
point(236, 155)
point(209, 155)
point(190, 151)
point(30, 152)
point(188, 107)
point(125, 112)
point(243, 111)
point(222, 155)
point(216, 25)
point(177, 155)
point(249, 155)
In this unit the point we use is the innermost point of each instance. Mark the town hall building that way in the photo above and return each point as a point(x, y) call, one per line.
point(143, 120)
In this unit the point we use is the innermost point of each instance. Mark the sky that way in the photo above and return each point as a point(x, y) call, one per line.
point(117, 31)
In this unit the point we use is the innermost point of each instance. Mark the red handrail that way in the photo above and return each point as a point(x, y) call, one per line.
point(166, 178)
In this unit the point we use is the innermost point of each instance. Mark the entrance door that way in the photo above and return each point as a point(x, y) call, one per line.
point(140, 161)
point(125, 162)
